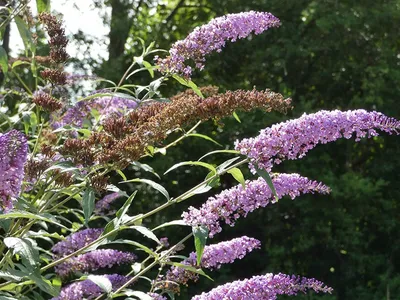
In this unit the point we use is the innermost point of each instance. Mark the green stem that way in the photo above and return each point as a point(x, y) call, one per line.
point(22, 82)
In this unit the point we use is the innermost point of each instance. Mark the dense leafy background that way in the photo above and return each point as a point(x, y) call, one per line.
point(327, 55)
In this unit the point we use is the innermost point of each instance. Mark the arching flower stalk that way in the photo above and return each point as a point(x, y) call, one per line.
point(235, 202)
point(293, 139)
point(265, 287)
point(212, 37)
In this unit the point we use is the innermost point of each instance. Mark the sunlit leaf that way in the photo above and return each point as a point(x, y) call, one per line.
point(192, 163)
point(238, 175)
point(43, 5)
point(153, 184)
point(3, 60)
point(88, 203)
point(200, 234)
point(101, 281)
point(25, 249)
point(172, 223)
point(264, 174)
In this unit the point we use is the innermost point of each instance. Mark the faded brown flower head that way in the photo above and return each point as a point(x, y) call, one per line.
point(99, 183)
point(56, 77)
point(46, 101)
point(126, 139)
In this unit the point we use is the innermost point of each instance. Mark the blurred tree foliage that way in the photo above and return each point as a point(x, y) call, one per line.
point(328, 54)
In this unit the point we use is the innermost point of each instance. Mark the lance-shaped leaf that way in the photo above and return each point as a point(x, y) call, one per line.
point(25, 249)
point(153, 184)
point(200, 238)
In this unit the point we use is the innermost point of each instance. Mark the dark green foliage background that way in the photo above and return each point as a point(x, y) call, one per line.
point(338, 54)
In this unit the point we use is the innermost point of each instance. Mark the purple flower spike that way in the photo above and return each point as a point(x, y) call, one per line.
point(76, 241)
point(105, 105)
point(213, 257)
point(94, 260)
point(103, 205)
point(233, 203)
point(156, 296)
point(212, 37)
point(87, 289)
point(292, 139)
point(265, 287)
point(13, 155)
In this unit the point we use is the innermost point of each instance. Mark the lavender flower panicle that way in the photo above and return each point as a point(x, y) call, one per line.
point(105, 105)
point(212, 37)
point(87, 289)
point(293, 139)
point(94, 260)
point(103, 205)
point(13, 155)
point(232, 203)
point(76, 241)
point(213, 257)
point(265, 287)
point(156, 296)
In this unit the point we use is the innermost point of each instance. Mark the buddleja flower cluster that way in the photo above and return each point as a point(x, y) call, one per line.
point(293, 139)
point(212, 37)
point(90, 261)
point(266, 287)
point(233, 203)
point(213, 257)
point(13, 154)
point(87, 289)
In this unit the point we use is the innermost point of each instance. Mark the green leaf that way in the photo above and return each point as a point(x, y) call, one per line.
point(192, 163)
point(136, 244)
point(44, 284)
point(187, 83)
point(24, 248)
point(43, 5)
point(153, 184)
point(264, 174)
point(101, 281)
point(25, 34)
point(12, 275)
point(222, 167)
point(88, 203)
point(18, 63)
point(238, 175)
point(123, 210)
point(190, 268)
point(138, 294)
point(16, 214)
point(121, 174)
point(206, 137)
point(3, 60)
point(146, 232)
point(149, 68)
point(145, 167)
point(200, 238)
point(172, 223)
point(236, 117)
point(219, 151)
